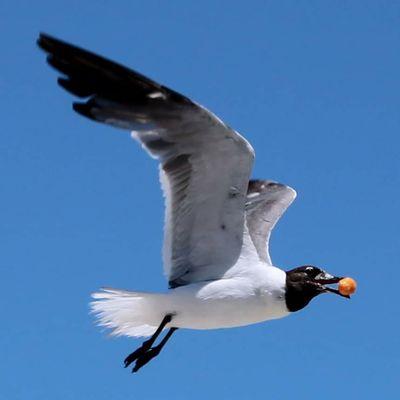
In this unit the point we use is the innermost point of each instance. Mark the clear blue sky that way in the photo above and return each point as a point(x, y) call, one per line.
point(313, 85)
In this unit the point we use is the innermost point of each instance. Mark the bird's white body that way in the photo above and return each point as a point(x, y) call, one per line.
point(223, 303)
point(231, 302)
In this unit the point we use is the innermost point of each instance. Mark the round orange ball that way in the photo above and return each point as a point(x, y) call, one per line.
point(347, 286)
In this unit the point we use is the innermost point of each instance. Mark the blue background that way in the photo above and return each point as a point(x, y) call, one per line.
point(313, 85)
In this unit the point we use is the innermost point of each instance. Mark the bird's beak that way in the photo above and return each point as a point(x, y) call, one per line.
point(324, 279)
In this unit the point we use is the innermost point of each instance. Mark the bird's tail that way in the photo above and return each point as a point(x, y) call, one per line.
point(128, 313)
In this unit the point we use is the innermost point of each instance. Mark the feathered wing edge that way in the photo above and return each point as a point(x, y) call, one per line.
point(181, 135)
point(266, 203)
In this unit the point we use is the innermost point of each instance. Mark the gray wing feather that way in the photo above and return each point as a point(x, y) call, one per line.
point(204, 172)
point(204, 165)
point(265, 204)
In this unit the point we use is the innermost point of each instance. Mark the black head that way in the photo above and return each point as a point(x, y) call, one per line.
point(304, 283)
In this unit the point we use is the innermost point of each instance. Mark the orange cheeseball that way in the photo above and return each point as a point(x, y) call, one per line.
point(347, 286)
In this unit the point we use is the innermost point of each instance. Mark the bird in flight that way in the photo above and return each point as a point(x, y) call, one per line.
point(217, 220)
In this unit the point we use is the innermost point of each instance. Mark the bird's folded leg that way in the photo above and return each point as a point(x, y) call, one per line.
point(137, 353)
point(144, 358)
point(146, 347)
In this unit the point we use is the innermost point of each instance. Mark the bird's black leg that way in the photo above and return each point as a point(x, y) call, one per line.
point(146, 345)
point(144, 358)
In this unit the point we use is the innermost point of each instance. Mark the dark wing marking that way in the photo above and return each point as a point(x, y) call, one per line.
point(205, 165)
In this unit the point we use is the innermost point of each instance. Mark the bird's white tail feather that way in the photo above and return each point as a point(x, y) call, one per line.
point(128, 313)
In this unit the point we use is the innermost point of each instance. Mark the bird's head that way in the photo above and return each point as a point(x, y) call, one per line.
point(306, 282)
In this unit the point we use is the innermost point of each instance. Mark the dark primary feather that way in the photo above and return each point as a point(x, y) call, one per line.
point(105, 82)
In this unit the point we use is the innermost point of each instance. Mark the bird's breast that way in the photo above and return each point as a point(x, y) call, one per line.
point(226, 303)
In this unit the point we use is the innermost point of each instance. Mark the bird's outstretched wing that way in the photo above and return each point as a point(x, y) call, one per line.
point(265, 204)
point(204, 165)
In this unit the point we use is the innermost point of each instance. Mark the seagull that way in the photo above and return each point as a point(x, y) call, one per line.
point(218, 221)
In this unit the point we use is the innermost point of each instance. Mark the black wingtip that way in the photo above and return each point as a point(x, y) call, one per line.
point(86, 74)
point(83, 109)
point(44, 41)
point(40, 38)
point(53, 45)
point(79, 90)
